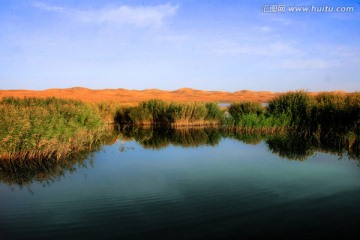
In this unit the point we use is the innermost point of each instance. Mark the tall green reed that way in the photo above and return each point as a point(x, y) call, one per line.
point(46, 128)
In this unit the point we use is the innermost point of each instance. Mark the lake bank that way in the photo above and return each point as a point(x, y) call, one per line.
point(34, 128)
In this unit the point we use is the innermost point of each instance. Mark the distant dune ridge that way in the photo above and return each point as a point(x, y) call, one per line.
point(133, 96)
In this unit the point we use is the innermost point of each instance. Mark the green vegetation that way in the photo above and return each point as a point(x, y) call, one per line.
point(337, 112)
point(295, 106)
point(326, 111)
point(159, 113)
point(237, 110)
point(33, 128)
point(253, 117)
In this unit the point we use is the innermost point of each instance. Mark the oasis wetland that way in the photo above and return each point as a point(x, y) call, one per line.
point(161, 169)
point(37, 128)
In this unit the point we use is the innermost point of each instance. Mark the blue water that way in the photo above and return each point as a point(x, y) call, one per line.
point(228, 191)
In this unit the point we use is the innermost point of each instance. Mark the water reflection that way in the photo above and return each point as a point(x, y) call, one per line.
point(298, 145)
point(292, 146)
point(220, 186)
point(302, 145)
point(45, 171)
point(157, 138)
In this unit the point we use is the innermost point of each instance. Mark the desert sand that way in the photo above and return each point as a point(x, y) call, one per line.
point(133, 96)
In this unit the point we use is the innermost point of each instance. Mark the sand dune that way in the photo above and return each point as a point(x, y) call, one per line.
point(133, 96)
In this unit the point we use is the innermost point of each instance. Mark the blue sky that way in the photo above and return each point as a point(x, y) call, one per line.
point(208, 45)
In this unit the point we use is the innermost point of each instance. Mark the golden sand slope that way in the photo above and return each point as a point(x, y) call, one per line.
point(134, 96)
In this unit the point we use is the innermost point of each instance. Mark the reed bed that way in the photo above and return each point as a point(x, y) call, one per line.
point(291, 110)
point(37, 128)
point(327, 110)
point(33, 128)
point(252, 117)
point(159, 113)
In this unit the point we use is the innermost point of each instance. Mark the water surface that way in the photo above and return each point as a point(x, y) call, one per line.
point(213, 189)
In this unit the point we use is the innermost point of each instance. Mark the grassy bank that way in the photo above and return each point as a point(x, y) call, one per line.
point(292, 110)
point(326, 111)
point(33, 128)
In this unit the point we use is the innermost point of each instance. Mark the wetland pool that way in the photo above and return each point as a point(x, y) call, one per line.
point(156, 188)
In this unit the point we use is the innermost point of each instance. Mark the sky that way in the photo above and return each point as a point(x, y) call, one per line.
point(259, 45)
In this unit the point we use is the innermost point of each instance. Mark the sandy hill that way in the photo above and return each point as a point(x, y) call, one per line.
point(133, 96)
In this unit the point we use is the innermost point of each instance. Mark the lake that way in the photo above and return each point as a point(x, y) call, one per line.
point(186, 184)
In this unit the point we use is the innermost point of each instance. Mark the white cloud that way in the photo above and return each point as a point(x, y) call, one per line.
point(46, 7)
point(125, 15)
point(142, 16)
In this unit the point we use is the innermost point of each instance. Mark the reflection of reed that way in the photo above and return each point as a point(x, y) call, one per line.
point(301, 145)
point(157, 138)
point(23, 172)
point(292, 145)
point(248, 138)
point(42, 170)
point(297, 145)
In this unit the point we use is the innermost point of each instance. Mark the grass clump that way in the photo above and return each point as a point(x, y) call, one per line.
point(239, 110)
point(253, 117)
point(33, 128)
point(159, 113)
point(299, 110)
point(296, 106)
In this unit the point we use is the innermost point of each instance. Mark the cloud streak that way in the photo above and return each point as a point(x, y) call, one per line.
point(139, 16)
point(47, 7)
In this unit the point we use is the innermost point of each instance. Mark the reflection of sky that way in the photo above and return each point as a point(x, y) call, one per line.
point(211, 45)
